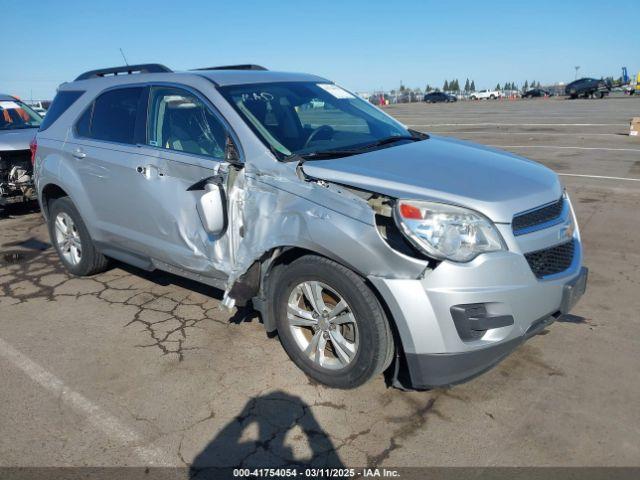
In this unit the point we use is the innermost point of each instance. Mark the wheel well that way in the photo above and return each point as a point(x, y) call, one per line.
point(51, 192)
point(289, 255)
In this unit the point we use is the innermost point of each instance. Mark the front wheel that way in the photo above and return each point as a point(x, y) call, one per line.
point(329, 322)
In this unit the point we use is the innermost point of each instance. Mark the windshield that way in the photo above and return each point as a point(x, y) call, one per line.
point(15, 115)
point(298, 118)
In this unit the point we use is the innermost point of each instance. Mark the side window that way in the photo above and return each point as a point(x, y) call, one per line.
point(180, 121)
point(112, 116)
point(83, 125)
point(61, 104)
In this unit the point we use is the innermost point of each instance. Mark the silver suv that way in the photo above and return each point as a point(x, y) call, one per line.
point(367, 246)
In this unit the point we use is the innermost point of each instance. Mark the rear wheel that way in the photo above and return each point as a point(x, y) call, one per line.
point(71, 238)
point(330, 322)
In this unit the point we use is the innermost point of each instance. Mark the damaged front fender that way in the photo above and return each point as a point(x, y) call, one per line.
point(270, 212)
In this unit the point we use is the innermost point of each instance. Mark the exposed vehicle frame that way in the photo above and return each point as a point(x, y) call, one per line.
point(18, 125)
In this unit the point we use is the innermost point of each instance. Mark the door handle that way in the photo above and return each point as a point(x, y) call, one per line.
point(149, 171)
point(79, 153)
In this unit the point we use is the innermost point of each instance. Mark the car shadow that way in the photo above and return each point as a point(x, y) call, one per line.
point(19, 209)
point(271, 430)
point(570, 318)
point(159, 277)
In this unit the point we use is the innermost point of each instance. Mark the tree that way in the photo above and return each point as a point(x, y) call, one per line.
point(467, 86)
point(498, 86)
point(402, 88)
point(445, 87)
point(456, 85)
point(526, 86)
point(473, 86)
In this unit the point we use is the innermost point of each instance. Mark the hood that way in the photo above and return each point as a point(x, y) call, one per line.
point(16, 139)
point(495, 183)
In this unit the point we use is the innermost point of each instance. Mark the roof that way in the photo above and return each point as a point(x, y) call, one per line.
point(5, 97)
point(241, 77)
point(220, 76)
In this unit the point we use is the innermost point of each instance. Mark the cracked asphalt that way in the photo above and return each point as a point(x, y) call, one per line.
point(101, 369)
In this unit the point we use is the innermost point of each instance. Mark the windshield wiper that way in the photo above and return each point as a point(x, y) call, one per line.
point(329, 154)
point(16, 127)
point(322, 155)
point(393, 139)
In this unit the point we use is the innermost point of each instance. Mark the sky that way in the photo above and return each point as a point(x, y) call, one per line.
point(362, 45)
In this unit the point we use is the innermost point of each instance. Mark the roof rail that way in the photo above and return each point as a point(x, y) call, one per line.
point(126, 69)
point(246, 66)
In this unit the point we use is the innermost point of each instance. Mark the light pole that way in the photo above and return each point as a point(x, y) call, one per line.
point(577, 67)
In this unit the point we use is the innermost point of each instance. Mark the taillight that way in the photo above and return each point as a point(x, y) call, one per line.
point(33, 146)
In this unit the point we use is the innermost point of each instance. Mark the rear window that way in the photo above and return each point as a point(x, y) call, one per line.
point(112, 116)
point(61, 104)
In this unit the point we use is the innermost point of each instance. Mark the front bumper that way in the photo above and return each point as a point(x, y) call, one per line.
point(432, 370)
point(503, 283)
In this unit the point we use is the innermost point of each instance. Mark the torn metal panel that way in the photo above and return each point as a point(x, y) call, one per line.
point(268, 211)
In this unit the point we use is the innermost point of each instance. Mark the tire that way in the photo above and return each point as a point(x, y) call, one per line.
point(492, 97)
point(361, 327)
point(72, 241)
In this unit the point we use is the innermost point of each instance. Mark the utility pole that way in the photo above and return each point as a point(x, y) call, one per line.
point(577, 67)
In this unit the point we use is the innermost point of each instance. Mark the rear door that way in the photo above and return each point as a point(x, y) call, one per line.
point(105, 153)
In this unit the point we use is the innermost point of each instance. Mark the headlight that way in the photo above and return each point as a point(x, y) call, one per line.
point(447, 232)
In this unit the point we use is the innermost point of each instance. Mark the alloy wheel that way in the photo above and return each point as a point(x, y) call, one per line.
point(322, 325)
point(68, 238)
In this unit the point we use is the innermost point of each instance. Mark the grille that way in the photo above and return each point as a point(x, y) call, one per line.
point(533, 218)
point(551, 260)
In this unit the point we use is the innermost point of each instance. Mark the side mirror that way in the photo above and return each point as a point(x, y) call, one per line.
point(231, 154)
point(211, 204)
point(211, 209)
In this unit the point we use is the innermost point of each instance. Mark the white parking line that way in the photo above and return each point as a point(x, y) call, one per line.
point(599, 176)
point(531, 133)
point(516, 124)
point(103, 421)
point(571, 148)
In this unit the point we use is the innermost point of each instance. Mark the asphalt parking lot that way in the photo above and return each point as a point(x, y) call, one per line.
point(132, 368)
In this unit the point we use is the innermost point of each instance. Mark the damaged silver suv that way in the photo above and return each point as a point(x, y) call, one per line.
point(365, 245)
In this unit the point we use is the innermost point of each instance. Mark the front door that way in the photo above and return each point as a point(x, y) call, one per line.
point(184, 144)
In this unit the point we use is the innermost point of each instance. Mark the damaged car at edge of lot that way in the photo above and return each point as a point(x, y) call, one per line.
point(365, 245)
point(18, 126)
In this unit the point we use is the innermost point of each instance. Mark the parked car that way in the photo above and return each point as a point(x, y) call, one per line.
point(587, 87)
point(437, 97)
point(39, 107)
point(18, 126)
point(361, 243)
point(485, 94)
point(536, 92)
